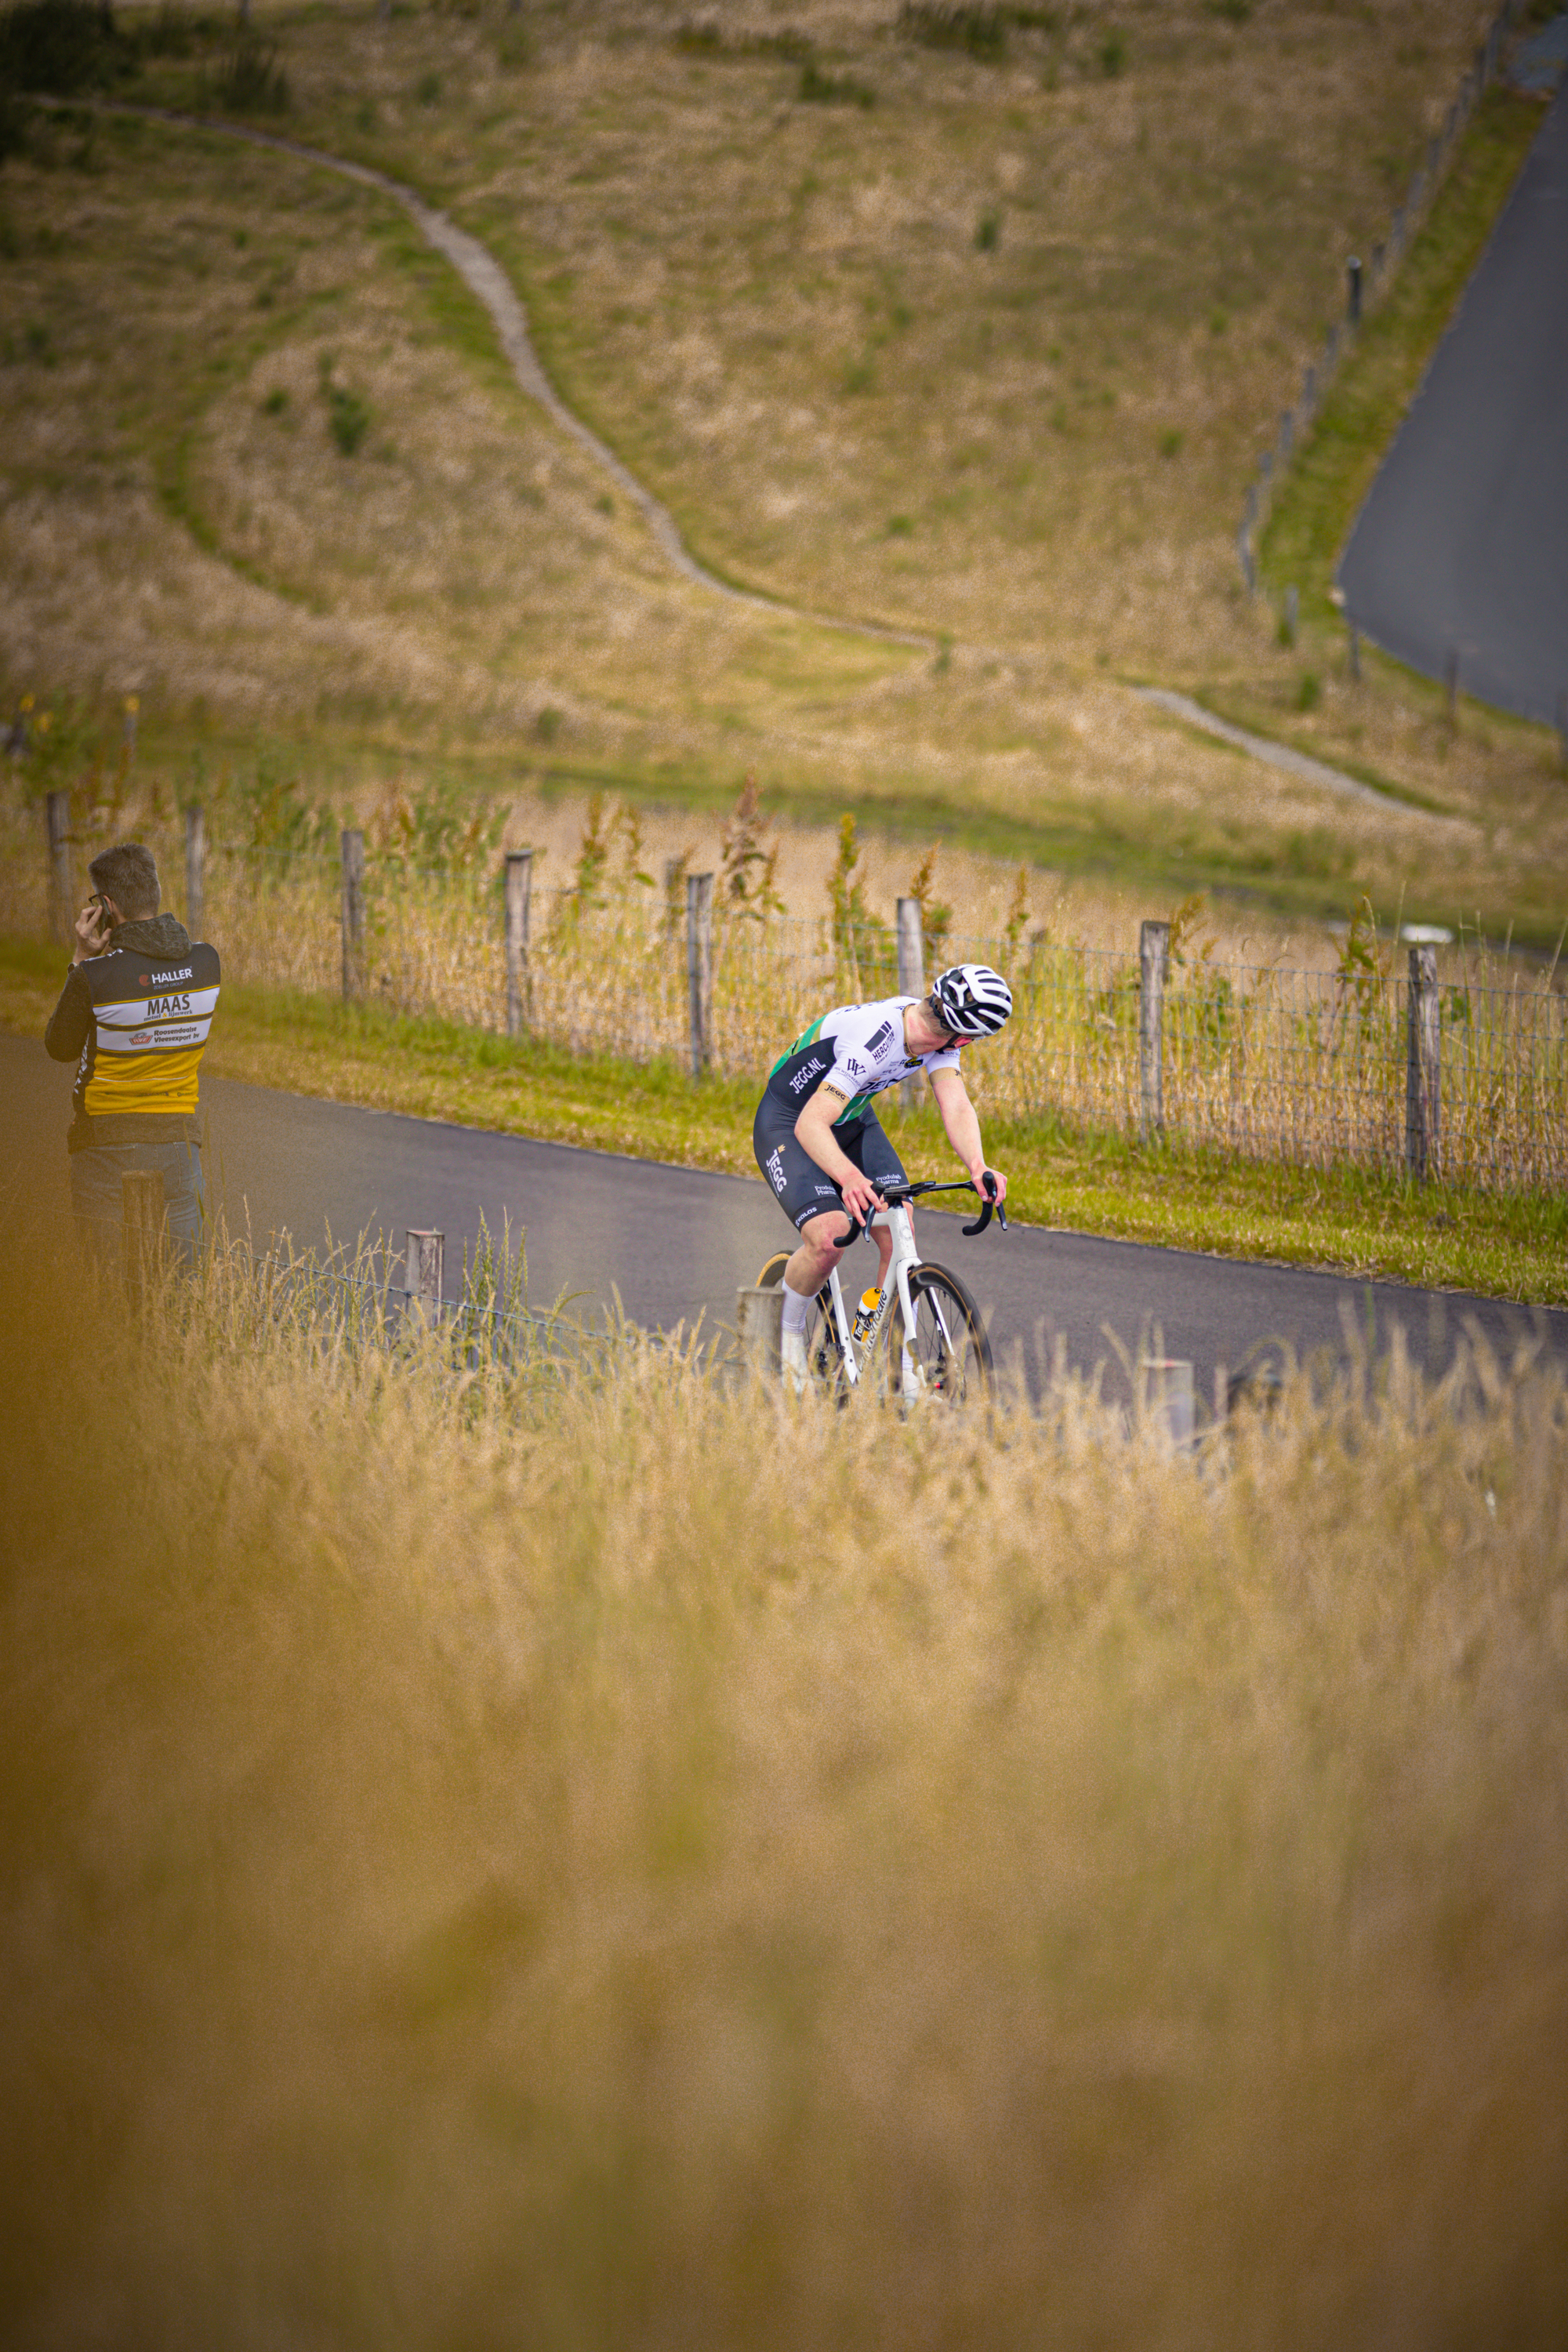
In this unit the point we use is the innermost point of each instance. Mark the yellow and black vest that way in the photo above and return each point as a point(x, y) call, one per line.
point(151, 1020)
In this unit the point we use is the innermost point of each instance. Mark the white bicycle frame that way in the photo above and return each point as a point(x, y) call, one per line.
point(905, 1258)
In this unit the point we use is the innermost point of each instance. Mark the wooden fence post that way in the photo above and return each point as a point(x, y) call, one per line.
point(758, 1327)
point(353, 847)
point(142, 1212)
point(57, 815)
point(911, 978)
point(196, 867)
point(1352, 291)
point(1153, 964)
point(699, 967)
point(518, 895)
point(1423, 1068)
point(426, 1253)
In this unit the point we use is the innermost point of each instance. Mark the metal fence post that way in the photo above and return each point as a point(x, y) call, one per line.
point(699, 967)
point(196, 866)
point(426, 1253)
point(353, 846)
point(1153, 964)
point(911, 978)
point(58, 815)
point(143, 1213)
point(1423, 1068)
point(1352, 291)
point(519, 894)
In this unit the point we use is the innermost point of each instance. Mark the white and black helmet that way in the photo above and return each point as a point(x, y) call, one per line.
point(971, 1000)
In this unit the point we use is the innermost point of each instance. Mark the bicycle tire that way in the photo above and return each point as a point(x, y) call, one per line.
point(951, 1350)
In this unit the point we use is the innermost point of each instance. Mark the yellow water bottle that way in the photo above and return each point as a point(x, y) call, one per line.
point(870, 1302)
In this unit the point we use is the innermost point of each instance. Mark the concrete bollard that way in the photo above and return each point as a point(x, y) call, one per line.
point(142, 1209)
point(423, 1281)
point(1165, 1399)
point(758, 1327)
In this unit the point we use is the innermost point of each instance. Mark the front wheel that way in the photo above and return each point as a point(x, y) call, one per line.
point(948, 1355)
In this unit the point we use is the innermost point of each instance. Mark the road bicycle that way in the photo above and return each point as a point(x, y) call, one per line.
point(925, 1325)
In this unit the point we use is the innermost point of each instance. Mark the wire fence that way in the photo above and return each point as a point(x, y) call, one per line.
point(1255, 1061)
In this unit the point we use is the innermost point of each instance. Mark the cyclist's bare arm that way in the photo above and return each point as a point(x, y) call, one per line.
point(958, 1117)
point(813, 1132)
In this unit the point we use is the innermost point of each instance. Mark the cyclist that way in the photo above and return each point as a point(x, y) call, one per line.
point(822, 1147)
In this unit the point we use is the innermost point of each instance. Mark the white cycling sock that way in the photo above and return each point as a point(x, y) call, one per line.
point(797, 1310)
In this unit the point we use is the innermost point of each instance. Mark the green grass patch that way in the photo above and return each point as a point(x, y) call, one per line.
point(1345, 1219)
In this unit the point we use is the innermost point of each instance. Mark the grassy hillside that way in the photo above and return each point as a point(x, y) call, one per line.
point(988, 356)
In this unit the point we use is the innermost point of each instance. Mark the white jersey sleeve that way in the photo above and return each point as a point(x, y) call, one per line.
point(868, 1050)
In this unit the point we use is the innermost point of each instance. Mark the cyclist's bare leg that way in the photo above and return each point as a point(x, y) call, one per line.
point(817, 1256)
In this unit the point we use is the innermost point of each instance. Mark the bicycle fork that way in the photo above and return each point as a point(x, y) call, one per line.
point(896, 1289)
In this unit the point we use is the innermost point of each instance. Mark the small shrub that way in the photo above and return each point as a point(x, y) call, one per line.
point(1170, 442)
point(1234, 12)
point(365, 115)
point(988, 234)
point(348, 417)
point(547, 726)
point(901, 527)
point(859, 375)
point(170, 33)
point(36, 343)
point(1112, 54)
point(817, 89)
point(703, 40)
point(275, 403)
point(250, 80)
point(427, 89)
point(978, 31)
point(1310, 692)
point(59, 46)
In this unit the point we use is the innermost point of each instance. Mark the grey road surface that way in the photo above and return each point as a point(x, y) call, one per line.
point(1462, 546)
point(675, 1242)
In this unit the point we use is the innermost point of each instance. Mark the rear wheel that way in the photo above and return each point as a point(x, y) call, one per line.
point(950, 1355)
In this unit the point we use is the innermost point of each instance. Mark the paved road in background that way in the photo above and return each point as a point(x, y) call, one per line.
point(1462, 545)
point(676, 1242)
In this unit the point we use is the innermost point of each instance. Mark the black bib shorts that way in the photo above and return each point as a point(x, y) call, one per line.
point(801, 1188)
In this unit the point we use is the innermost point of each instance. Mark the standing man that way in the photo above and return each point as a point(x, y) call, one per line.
point(136, 1009)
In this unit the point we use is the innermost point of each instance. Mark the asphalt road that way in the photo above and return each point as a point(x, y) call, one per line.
point(675, 1242)
point(1462, 544)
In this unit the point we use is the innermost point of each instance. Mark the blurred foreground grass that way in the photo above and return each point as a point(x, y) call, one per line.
point(600, 1860)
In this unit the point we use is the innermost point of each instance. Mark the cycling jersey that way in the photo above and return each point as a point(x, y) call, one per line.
point(138, 1016)
point(859, 1050)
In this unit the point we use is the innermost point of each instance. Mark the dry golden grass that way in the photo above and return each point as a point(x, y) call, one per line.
point(711, 266)
point(500, 1865)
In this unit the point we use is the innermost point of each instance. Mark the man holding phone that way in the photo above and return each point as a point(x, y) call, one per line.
point(135, 1015)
